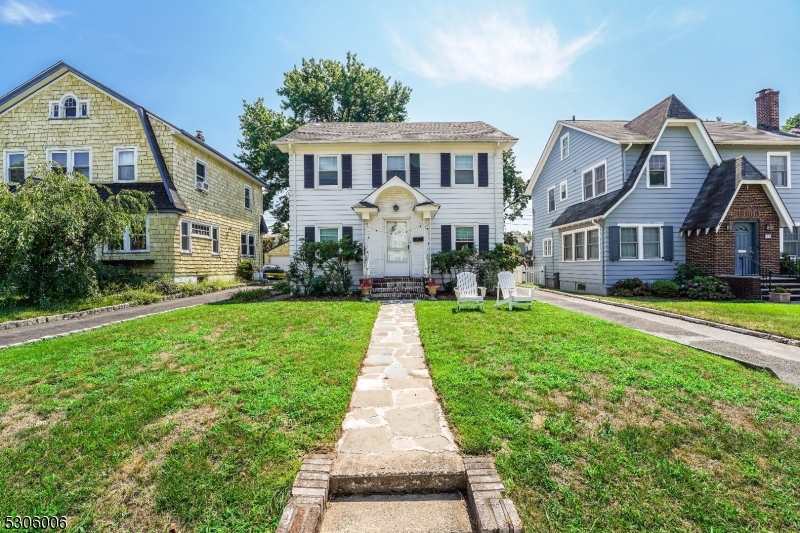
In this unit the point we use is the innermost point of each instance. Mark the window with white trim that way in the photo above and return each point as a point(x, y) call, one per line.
point(186, 237)
point(74, 160)
point(465, 237)
point(134, 239)
point(594, 181)
point(396, 166)
point(328, 170)
point(69, 107)
point(791, 241)
point(551, 199)
point(199, 229)
point(640, 242)
point(564, 146)
point(248, 197)
point(547, 247)
point(215, 240)
point(248, 244)
point(464, 170)
point(581, 245)
point(779, 168)
point(567, 250)
point(329, 234)
point(125, 164)
point(593, 244)
point(562, 191)
point(658, 170)
point(15, 166)
point(200, 175)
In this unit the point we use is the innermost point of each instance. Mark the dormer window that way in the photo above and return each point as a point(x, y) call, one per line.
point(69, 107)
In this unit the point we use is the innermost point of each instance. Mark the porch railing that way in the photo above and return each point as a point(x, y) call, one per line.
point(751, 267)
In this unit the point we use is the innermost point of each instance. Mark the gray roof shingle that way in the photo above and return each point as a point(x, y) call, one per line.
point(651, 121)
point(725, 132)
point(717, 192)
point(394, 131)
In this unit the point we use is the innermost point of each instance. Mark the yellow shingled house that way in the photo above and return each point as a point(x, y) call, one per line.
point(208, 208)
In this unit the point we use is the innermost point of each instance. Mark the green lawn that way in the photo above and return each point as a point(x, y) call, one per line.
point(596, 427)
point(196, 418)
point(778, 319)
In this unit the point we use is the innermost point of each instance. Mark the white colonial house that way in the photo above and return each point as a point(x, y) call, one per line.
point(405, 190)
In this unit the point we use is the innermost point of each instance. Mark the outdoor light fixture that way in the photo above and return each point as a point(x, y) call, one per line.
point(730, 226)
point(395, 207)
point(769, 227)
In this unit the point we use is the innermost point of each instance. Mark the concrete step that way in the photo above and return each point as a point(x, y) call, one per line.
point(397, 472)
point(411, 513)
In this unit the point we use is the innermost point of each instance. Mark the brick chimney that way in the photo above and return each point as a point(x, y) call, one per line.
point(200, 136)
point(768, 115)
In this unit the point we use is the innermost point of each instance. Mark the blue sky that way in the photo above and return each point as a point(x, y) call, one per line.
point(518, 65)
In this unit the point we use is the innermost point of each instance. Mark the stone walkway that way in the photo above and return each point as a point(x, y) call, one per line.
point(12, 337)
point(782, 359)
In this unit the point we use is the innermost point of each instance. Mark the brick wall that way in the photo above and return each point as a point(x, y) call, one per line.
point(745, 288)
point(714, 252)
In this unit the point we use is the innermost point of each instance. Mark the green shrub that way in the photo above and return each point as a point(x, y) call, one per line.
point(327, 260)
point(685, 272)
point(780, 290)
point(282, 287)
point(665, 288)
point(630, 287)
point(139, 296)
point(166, 285)
point(112, 279)
point(708, 288)
point(789, 266)
point(318, 286)
point(254, 295)
point(485, 265)
point(245, 270)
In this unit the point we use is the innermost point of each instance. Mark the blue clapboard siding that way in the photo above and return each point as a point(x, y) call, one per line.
point(688, 170)
point(758, 157)
point(585, 151)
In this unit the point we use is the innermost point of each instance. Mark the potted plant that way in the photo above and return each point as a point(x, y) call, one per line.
point(780, 295)
point(432, 287)
point(366, 287)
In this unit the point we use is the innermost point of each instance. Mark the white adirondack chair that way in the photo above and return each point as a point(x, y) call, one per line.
point(467, 291)
point(512, 295)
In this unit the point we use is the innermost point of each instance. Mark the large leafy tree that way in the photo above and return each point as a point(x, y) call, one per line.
point(50, 228)
point(514, 199)
point(792, 122)
point(325, 91)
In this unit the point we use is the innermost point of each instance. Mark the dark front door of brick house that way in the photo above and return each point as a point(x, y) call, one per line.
point(745, 249)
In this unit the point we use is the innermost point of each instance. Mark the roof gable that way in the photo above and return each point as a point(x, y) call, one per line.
point(652, 121)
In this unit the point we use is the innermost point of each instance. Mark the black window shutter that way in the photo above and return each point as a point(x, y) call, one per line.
point(347, 171)
point(415, 170)
point(613, 242)
point(445, 170)
point(347, 231)
point(377, 170)
point(308, 171)
point(483, 238)
point(483, 170)
point(310, 233)
point(447, 243)
point(669, 255)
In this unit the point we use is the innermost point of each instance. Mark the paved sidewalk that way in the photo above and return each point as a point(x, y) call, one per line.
point(782, 359)
point(11, 337)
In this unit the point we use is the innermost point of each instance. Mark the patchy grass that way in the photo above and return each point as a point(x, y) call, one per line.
point(11, 308)
point(195, 419)
point(778, 319)
point(597, 427)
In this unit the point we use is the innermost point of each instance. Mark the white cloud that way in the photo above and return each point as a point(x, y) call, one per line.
point(14, 12)
point(499, 51)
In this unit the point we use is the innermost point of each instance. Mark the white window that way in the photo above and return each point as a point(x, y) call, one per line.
point(328, 234)
point(248, 248)
point(186, 237)
point(779, 168)
point(563, 193)
point(200, 175)
point(547, 247)
point(464, 170)
point(328, 170)
point(201, 230)
point(564, 146)
point(640, 242)
point(69, 107)
point(790, 241)
point(215, 240)
point(126, 166)
point(551, 199)
point(594, 181)
point(658, 170)
point(134, 240)
point(14, 163)
point(396, 166)
point(76, 160)
point(582, 245)
point(465, 237)
point(248, 197)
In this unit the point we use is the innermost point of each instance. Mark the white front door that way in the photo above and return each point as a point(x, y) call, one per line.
point(396, 248)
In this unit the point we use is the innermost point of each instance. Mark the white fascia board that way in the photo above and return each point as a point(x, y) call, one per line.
point(551, 142)
point(700, 135)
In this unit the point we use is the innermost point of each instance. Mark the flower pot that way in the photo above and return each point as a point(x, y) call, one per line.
point(780, 297)
point(432, 289)
point(365, 291)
